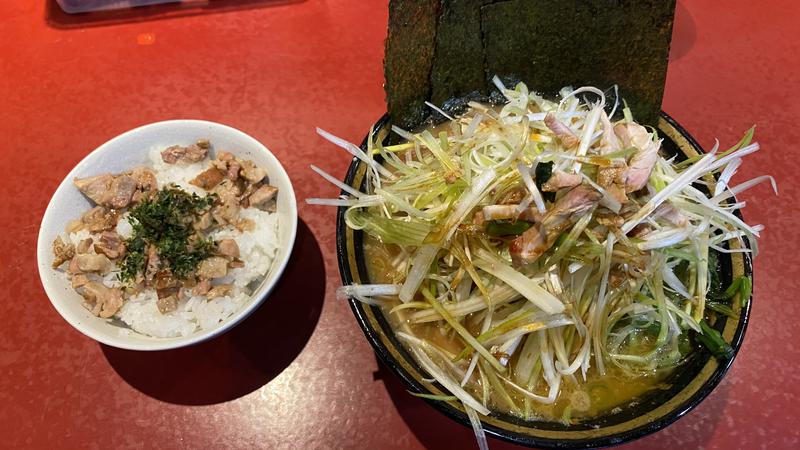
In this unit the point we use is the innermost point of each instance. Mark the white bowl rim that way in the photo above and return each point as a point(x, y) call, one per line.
point(44, 248)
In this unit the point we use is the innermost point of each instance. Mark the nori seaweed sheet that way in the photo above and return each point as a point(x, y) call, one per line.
point(409, 57)
point(443, 49)
point(458, 64)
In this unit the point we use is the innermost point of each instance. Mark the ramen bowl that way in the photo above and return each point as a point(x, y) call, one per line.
point(688, 384)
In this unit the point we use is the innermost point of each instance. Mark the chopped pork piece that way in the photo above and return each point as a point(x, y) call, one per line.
point(560, 179)
point(73, 268)
point(226, 212)
point(99, 219)
point(63, 252)
point(610, 220)
point(617, 191)
point(632, 135)
point(96, 187)
point(262, 195)
point(146, 183)
point(111, 245)
point(145, 178)
point(251, 172)
point(208, 179)
point(79, 280)
point(219, 291)
point(225, 156)
point(178, 154)
point(201, 288)
point(213, 267)
point(608, 140)
point(84, 245)
point(108, 190)
point(236, 263)
point(165, 280)
point(167, 304)
point(233, 171)
point(608, 175)
point(641, 163)
point(227, 209)
point(122, 189)
point(537, 239)
point(90, 262)
point(640, 166)
point(106, 301)
point(204, 222)
point(562, 132)
point(228, 247)
point(153, 263)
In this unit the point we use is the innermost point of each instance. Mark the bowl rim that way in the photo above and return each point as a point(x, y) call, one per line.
point(157, 344)
point(362, 313)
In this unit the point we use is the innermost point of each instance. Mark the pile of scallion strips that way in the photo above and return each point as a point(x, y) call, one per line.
point(536, 282)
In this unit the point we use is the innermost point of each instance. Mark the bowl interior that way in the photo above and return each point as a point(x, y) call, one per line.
point(123, 153)
point(689, 384)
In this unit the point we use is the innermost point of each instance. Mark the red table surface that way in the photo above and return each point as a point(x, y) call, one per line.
point(299, 373)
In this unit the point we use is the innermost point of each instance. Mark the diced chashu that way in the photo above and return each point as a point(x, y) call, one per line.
point(220, 290)
point(202, 287)
point(99, 219)
point(251, 172)
point(213, 267)
point(146, 183)
point(208, 179)
point(153, 263)
point(642, 162)
point(167, 304)
point(105, 301)
point(111, 245)
point(84, 246)
point(228, 247)
point(112, 191)
point(562, 131)
point(178, 154)
point(62, 252)
point(77, 280)
point(90, 263)
point(203, 222)
point(227, 208)
point(612, 177)
point(559, 180)
point(118, 191)
point(262, 196)
point(536, 240)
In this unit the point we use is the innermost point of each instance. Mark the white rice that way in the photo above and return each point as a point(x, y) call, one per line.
point(257, 249)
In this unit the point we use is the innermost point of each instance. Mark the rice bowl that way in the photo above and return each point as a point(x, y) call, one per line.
point(264, 249)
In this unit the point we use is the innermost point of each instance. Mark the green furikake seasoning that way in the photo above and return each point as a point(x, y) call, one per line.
point(165, 221)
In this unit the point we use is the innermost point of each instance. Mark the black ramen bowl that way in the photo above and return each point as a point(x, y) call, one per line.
point(690, 383)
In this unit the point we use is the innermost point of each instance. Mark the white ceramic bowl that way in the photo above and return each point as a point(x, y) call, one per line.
point(123, 153)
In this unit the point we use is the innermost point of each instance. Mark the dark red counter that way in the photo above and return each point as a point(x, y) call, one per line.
point(299, 374)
